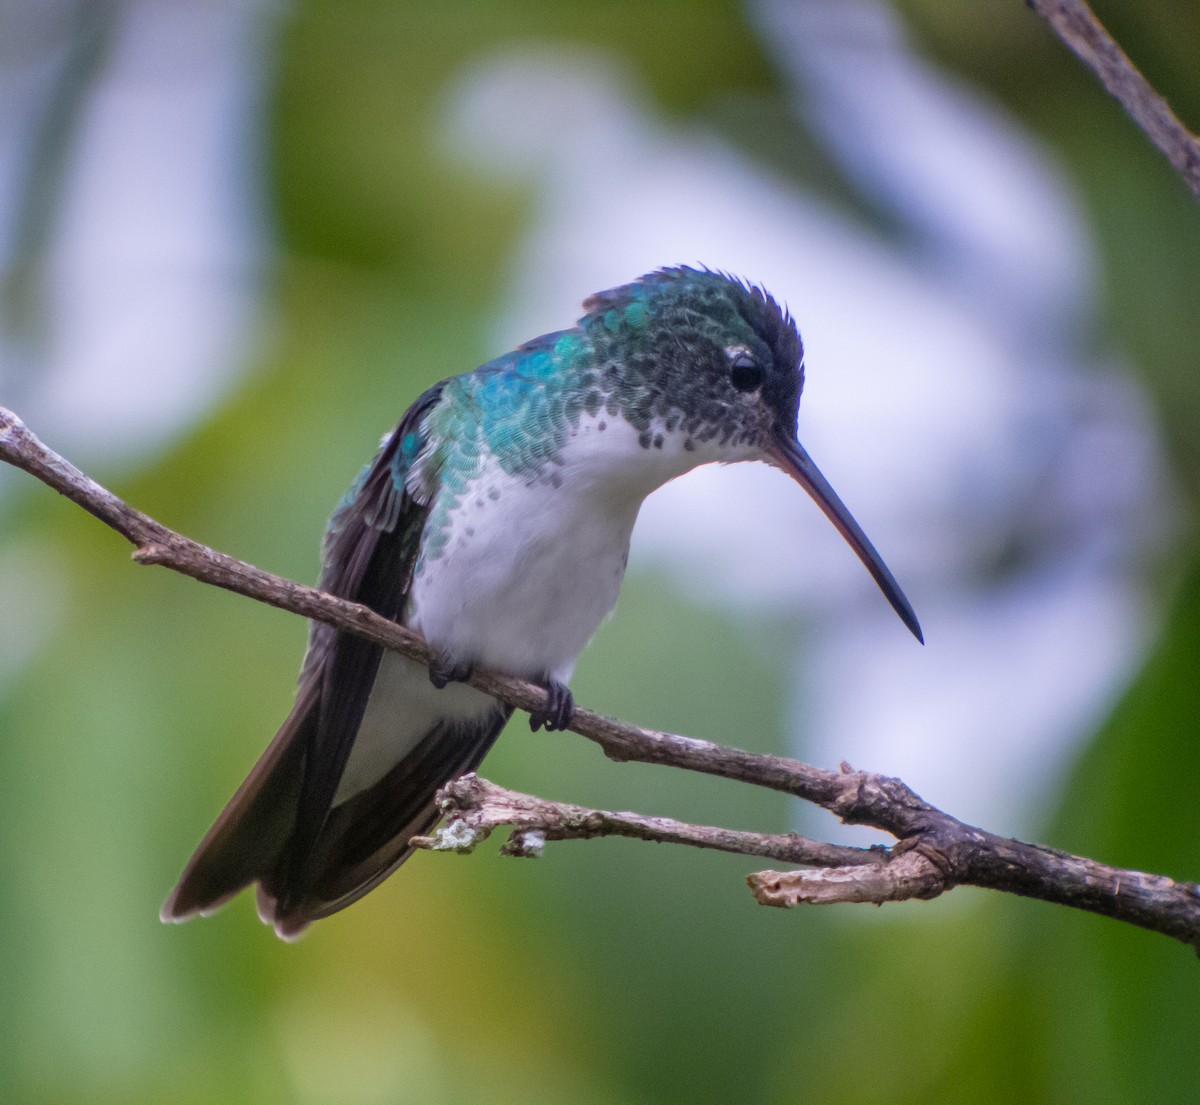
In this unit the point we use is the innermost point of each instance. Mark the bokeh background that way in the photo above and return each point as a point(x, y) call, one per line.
point(237, 239)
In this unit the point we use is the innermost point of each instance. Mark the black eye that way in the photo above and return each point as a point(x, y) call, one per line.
point(744, 373)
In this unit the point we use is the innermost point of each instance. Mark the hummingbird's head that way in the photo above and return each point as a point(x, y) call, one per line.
point(713, 358)
point(716, 363)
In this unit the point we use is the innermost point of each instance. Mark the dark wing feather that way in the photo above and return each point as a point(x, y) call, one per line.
point(268, 830)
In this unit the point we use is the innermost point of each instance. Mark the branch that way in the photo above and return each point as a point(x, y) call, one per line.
point(934, 853)
point(1076, 24)
point(473, 807)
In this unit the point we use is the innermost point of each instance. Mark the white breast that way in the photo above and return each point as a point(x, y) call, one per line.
point(532, 567)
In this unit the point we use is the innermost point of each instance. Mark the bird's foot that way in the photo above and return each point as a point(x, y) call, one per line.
point(558, 711)
point(444, 670)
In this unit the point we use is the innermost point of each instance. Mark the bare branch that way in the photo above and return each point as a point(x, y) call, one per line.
point(1076, 24)
point(474, 807)
point(959, 853)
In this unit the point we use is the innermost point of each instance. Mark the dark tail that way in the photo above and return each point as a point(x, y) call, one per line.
point(360, 842)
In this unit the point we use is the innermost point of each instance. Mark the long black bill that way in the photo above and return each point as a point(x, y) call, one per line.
point(798, 464)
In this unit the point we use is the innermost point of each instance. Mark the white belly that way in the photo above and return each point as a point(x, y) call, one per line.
point(522, 585)
point(529, 570)
point(525, 578)
point(404, 706)
point(528, 573)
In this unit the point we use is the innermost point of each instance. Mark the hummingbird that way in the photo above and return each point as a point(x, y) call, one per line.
point(495, 520)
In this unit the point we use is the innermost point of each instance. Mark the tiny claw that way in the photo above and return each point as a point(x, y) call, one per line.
point(443, 671)
point(558, 711)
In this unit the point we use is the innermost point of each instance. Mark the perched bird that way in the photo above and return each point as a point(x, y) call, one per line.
point(495, 520)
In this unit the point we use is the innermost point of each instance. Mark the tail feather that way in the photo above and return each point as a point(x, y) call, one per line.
point(360, 842)
point(365, 838)
point(253, 830)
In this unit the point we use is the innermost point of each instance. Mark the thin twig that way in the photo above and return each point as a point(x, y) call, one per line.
point(474, 807)
point(1076, 24)
point(953, 853)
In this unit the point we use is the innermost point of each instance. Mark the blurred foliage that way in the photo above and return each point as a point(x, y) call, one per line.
point(358, 178)
point(1143, 216)
point(611, 971)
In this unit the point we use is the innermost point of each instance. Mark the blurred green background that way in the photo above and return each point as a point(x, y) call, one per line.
point(611, 971)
